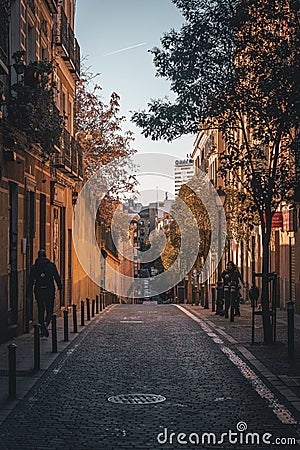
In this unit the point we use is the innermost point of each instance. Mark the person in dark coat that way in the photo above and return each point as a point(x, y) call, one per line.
point(42, 276)
point(231, 277)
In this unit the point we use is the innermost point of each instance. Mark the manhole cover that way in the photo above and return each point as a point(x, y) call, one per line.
point(137, 399)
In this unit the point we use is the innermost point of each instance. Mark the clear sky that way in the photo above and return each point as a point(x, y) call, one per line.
point(103, 27)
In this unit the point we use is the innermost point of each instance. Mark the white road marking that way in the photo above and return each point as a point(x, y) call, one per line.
point(283, 414)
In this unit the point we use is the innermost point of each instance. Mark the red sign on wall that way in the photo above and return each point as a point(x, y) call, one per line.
point(277, 220)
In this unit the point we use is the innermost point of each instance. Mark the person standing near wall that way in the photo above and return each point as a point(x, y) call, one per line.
point(42, 276)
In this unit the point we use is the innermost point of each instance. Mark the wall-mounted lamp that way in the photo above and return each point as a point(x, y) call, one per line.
point(74, 197)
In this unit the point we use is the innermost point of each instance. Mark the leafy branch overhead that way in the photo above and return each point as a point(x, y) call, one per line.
point(234, 66)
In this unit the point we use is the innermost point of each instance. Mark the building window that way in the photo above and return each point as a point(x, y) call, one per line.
point(43, 221)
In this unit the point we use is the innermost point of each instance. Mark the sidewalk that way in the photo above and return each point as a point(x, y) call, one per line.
point(271, 361)
point(26, 376)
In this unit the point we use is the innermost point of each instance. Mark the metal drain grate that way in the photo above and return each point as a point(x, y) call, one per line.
point(136, 399)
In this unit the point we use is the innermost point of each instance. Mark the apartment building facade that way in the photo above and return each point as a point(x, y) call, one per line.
point(38, 185)
point(183, 172)
point(285, 236)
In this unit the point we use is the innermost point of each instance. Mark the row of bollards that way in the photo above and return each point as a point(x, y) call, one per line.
point(92, 308)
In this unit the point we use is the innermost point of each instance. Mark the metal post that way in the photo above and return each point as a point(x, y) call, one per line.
point(93, 307)
point(197, 296)
point(206, 304)
point(12, 371)
point(219, 297)
point(101, 301)
point(66, 324)
point(213, 298)
point(180, 294)
point(202, 295)
point(37, 346)
point(290, 324)
point(82, 312)
point(88, 310)
point(253, 317)
point(54, 334)
point(253, 295)
point(232, 294)
point(75, 330)
point(97, 304)
point(274, 306)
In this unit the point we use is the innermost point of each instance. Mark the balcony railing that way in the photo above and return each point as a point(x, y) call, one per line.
point(77, 57)
point(69, 158)
point(71, 44)
point(31, 5)
point(52, 5)
point(4, 36)
point(60, 32)
point(63, 37)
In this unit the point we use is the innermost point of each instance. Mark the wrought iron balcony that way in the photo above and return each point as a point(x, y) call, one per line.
point(64, 38)
point(69, 157)
point(52, 5)
point(77, 58)
point(31, 5)
point(60, 31)
point(62, 160)
point(4, 39)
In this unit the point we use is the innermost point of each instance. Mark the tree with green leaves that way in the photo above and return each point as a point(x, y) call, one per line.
point(234, 66)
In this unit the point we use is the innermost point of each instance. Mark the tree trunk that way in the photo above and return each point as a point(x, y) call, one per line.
point(265, 283)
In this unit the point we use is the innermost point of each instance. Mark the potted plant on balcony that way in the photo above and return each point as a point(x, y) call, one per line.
point(32, 108)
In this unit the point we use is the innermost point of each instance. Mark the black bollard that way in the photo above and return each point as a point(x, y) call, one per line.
point(37, 346)
point(202, 295)
point(82, 312)
point(97, 304)
point(233, 294)
point(66, 325)
point(253, 295)
point(75, 330)
point(54, 334)
point(12, 371)
point(219, 297)
point(291, 332)
point(101, 301)
point(206, 304)
point(88, 310)
point(93, 307)
point(213, 298)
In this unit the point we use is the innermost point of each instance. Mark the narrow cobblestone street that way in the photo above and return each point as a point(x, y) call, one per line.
point(144, 349)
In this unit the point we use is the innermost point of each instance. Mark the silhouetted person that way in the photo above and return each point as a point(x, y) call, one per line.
point(231, 277)
point(41, 278)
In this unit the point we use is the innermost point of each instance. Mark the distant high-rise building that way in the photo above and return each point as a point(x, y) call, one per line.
point(184, 171)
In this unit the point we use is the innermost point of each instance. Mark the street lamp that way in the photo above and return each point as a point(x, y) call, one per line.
point(222, 197)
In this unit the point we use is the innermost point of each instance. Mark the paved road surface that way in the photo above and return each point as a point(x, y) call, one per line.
point(147, 350)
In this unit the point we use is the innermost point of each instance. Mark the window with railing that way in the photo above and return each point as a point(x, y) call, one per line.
point(63, 35)
point(4, 35)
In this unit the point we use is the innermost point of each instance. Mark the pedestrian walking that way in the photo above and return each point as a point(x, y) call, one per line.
point(231, 278)
point(42, 276)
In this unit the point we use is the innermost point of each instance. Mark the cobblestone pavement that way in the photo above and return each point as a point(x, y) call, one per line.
point(143, 349)
point(274, 357)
